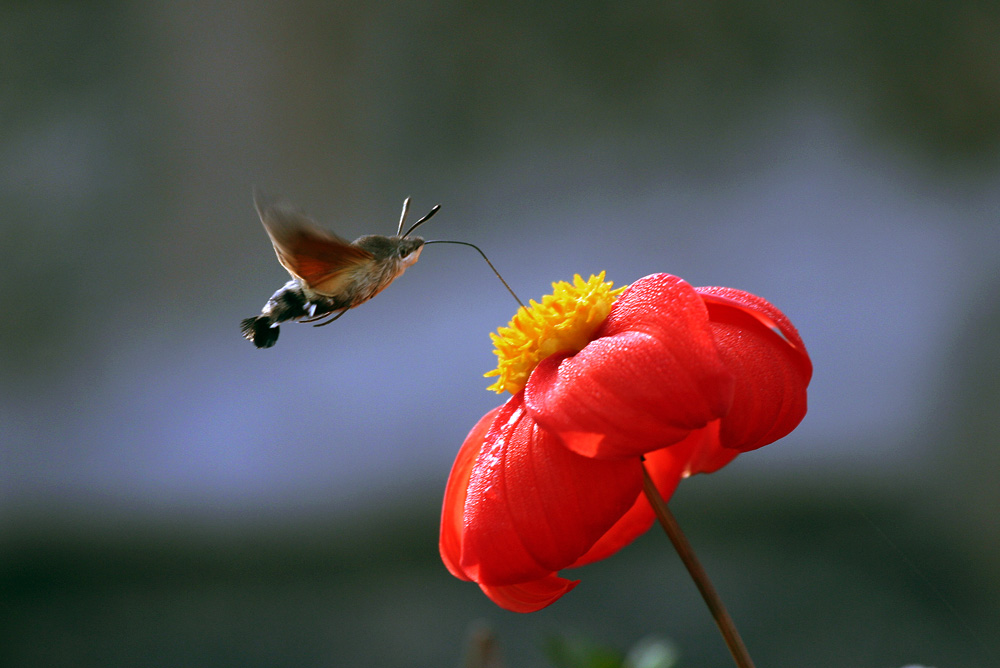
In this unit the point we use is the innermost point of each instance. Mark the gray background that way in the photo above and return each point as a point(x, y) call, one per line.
point(171, 496)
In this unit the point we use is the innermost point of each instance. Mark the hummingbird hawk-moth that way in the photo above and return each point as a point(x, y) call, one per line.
point(330, 275)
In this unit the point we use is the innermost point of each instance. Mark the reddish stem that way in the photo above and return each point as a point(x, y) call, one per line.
point(698, 574)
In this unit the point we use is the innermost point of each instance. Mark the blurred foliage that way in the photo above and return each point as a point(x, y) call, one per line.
point(580, 652)
point(573, 651)
point(693, 76)
point(800, 570)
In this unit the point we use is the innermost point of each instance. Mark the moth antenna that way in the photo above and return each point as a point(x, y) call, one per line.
point(421, 221)
point(466, 243)
point(402, 216)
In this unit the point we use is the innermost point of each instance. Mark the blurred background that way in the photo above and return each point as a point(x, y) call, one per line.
point(171, 496)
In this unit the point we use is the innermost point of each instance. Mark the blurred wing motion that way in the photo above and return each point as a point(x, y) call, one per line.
point(321, 260)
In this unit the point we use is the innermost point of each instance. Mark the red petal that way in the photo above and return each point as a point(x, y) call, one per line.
point(770, 365)
point(632, 524)
point(666, 467)
point(453, 509)
point(529, 596)
point(534, 507)
point(700, 452)
point(650, 376)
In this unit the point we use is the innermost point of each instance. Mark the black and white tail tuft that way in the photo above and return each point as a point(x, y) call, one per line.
point(260, 331)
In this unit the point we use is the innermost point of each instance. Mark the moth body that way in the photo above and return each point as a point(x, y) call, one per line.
point(329, 275)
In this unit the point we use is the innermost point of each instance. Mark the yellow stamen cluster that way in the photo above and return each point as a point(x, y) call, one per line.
point(565, 321)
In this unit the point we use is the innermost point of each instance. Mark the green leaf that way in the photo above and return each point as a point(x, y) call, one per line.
point(580, 652)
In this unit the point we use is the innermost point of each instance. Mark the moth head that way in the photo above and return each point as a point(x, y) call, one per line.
point(405, 250)
point(409, 250)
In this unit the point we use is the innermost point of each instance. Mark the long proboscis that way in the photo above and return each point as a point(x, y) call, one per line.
point(478, 250)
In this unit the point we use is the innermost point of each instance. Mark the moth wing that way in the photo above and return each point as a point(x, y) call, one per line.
point(320, 259)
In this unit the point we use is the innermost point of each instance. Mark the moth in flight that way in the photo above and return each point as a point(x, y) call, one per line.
point(329, 275)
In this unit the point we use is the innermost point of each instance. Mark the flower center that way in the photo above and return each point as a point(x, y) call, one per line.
point(565, 321)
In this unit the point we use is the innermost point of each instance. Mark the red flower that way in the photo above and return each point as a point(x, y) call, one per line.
point(684, 378)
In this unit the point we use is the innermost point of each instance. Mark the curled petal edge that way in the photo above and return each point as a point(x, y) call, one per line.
point(770, 364)
point(529, 596)
point(764, 312)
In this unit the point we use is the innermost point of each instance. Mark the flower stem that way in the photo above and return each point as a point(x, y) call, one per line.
point(698, 574)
